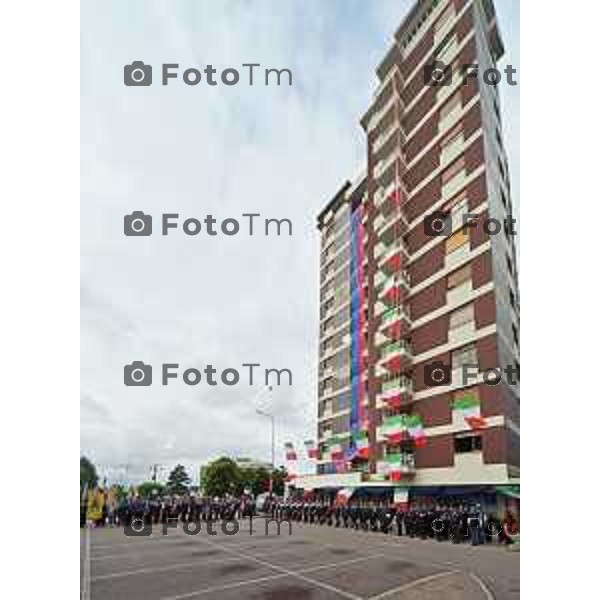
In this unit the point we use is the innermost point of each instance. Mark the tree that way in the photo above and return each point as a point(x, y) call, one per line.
point(279, 477)
point(179, 481)
point(88, 476)
point(256, 479)
point(150, 489)
point(222, 476)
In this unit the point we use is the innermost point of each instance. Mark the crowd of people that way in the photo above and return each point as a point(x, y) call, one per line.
point(161, 509)
point(449, 521)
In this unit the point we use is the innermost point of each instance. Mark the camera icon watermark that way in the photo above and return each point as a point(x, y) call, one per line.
point(437, 373)
point(437, 74)
point(137, 74)
point(137, 223)
point(438, 223)
point(137, 373)
point(138, 528)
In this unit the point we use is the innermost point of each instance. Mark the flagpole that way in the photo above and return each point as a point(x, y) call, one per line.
point(272, 417)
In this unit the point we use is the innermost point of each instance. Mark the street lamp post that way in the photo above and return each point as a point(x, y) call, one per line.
point(272, 417)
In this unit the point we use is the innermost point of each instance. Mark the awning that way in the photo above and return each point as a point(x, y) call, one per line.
point(511, 491)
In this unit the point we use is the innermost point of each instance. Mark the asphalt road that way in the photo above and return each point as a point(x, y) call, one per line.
point(313, 563)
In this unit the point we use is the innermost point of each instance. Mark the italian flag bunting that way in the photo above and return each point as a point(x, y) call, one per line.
point(414, 425)
point(311, 449)
point(290, 452)
point(361, 442)
point(469, 408)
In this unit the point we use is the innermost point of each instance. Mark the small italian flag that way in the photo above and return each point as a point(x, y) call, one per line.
point(470, 409)
point(361, 441)
point(395, 463)
point(414, 425)
point(290, 452)
point(311, 449)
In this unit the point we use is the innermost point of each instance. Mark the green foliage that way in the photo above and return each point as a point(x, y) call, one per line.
point(87, 474)
point(151, 489)
point(179, 481)
point(222, 476)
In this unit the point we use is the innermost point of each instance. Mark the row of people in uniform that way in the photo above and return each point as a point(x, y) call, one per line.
point(449, 521)
point(184, 508)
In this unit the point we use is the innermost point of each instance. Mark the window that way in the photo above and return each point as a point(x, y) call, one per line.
point(455, 101)
point(444, 17)
point(462, 316)
point(446, 47)
point(467, 355)
point(457, 240)
point(467, 443)
point(455, 168)
point(509, 265)
point(453, 137)
point(459, 277)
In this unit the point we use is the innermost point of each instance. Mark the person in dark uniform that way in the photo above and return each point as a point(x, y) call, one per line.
point(399, 522)
point(345, 515)
point(374, 515)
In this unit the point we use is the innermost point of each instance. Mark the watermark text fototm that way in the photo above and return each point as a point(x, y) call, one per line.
point(440, 223)
point(439, 373)
point(140, 374)
point(438, 73)
point(139, 224)
point(142, 528)
point(139, 74)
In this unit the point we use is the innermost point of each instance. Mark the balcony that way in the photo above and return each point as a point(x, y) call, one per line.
point(463, 334)
point(459, 294)
point(380, 114)
point(394, 260)
point(458, 256)
point(384, 164)
point(398, 385)
point(395, 323)
point(383, 137)
point(399, 465)
point(451, 151)
point(452, 187)
point(396, 356)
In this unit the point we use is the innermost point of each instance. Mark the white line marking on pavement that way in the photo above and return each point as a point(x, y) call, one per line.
point(484, 588)
point(197, 563)
point(412, 584)
point(315, 582)
point(86, 580)
point(238, 584)
point(200, 563)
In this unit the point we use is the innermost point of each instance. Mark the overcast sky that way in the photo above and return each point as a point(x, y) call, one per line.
point(279, 151)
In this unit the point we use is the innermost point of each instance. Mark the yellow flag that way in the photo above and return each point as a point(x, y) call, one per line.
point(95, 504)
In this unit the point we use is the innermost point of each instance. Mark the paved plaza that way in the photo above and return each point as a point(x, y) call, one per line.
point(313, 563)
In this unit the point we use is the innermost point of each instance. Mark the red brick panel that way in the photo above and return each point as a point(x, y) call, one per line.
point(439, 452)
point(485, 310)
point(427, 264)
point(428, 300)
point(487, 352)
point(424, 199)
point(435, 411)
point(481, 269)
point(430, 335)
point(494, 445)
point(423, 167)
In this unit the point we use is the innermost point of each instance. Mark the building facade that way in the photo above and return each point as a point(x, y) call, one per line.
point(398, 302)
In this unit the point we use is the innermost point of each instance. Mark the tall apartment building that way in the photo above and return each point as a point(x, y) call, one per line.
point(394, 300)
